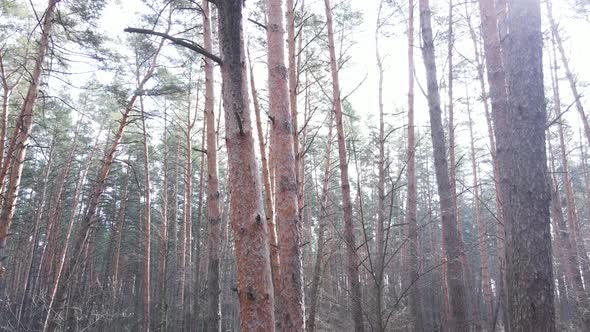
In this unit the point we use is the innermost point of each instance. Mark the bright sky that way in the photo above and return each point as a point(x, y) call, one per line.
point(120, 14)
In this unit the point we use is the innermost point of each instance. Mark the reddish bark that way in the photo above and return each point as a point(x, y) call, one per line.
point(290, 312)
point(268, 190)
point(254, 280)
point(22, 132)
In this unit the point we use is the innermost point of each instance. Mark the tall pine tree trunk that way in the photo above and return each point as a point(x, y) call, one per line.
point(452, 241)
point(290, 312)
point(412, 204)
point(349, 236)
point(22, 132)
point(268, 189)
point(213, 318)
point(522, 161)
point(254, 280)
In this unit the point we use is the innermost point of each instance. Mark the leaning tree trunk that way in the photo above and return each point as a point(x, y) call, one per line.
point(22, 132)
point(50, 323)
point(89, 218)
point(522, 161)
point(268, 189)
point(568, 72)
point(254, 281)
point(349, 238)
point(452, 240)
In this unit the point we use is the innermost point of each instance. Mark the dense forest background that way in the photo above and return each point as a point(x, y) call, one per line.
point(398, 165)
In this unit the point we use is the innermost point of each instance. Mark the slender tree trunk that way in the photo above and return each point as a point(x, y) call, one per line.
point(317, 269)
point(568, 72)
point(379, 235)
point(268, 190)
point(291, 316)
point(492, 25)
point(572, 213)
point(22, 131)
point(577, 251)
point(454, 246)
point(293, 76)
point(569, 258)
point(35, 234)
point(120, 222)
point(185, 233)
point(412, 204)
point(482, 234)
point(146, 225)
point(194, 312)
point(349, 236)
point(213, 318)
point(254, 280)
point(163, 257)
point(7, 89)
point(523, 174)
point(50, 322)
point(89, 218)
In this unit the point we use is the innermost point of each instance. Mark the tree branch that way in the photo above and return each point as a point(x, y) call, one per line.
point(178, 41)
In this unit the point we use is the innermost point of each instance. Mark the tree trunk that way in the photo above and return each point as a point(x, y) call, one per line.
point(56, 300)
point(523, 174)
point(452, 240)
point(213, 318)
point(35, 236)
point(317, 269)
point(146, 225)
point(120, 223)
point(22, 132)
point(490, 26)
point(379, 234)
point(349, 236)
point(412, 204)
point(564, 241)
point(268, 190)
point(293, 76)
point(291, 316)
point(568, 72)
point(482, 234)
point(89, 218)
point(577, 251)
point(163, 254)
point(254, 280)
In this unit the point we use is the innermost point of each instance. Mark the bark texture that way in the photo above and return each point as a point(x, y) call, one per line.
point(291, 315)
point(254, 282)
point(452, 240)
point(522, 161)
point(213, 319)
point(22, 132)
